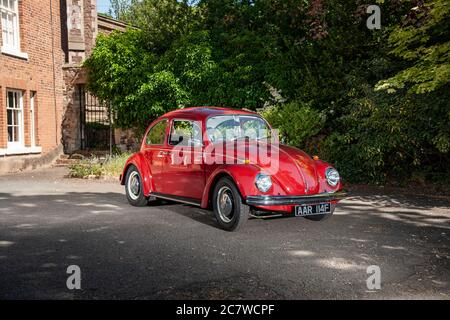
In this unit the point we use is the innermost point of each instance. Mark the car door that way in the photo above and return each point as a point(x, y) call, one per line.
point(155, 151)
point(183, 169)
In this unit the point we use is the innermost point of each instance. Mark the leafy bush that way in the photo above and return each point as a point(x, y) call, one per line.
point(86, 168)
point(388, 138)
point(297, 122)
point(123, 72)
point(112, 166)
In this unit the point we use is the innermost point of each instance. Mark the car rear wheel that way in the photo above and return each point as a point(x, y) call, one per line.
point(228, 208)
point(133, 188)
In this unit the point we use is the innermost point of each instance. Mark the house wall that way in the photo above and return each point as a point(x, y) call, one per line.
point(56, 36)
point(81, 34)
point(38, 69)
point(75, 75)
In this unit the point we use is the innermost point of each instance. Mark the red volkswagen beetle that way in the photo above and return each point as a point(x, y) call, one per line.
point(228, 160)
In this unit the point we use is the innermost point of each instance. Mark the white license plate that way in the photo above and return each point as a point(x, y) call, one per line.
point(312, 209)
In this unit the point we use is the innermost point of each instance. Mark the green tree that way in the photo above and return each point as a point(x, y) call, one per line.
point(163, 21)
point(123, 72)
point(423, 40)
point(372, 102)
point(119, 9)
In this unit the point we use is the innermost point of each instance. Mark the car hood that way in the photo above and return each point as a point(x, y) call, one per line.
point(294, 170)
point(297, 171)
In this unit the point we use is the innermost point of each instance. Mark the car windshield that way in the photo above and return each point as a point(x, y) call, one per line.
point(233, 127)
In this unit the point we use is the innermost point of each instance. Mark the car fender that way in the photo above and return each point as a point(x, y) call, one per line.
point(324, 186)
point(243, 176)
point(138, 160)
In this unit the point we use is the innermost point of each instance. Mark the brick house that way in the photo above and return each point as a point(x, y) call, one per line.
point(42, 44)
point(31, 80)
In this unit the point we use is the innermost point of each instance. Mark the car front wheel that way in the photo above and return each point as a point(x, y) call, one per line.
point(228, 208)
point(133, 188)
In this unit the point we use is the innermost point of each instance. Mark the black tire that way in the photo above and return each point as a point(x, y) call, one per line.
point(135, 194)
point(229, 218)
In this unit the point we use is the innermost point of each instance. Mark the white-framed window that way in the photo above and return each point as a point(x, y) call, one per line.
point(10, 24)
point(14, 110)
point(32, 118)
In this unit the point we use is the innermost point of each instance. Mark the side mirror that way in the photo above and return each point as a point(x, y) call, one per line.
point(175, 141)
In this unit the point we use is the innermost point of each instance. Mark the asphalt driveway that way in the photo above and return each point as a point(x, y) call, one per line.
point(48, 222)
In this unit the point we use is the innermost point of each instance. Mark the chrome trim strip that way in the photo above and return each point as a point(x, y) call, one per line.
point(176, 198)
point(267, 216)
point(292, 200)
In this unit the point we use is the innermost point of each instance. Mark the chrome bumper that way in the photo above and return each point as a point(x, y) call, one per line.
point(293, 200)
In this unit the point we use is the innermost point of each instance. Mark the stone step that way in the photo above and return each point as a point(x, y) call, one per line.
point(55, 165)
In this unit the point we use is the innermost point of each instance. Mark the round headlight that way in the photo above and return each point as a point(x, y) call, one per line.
point(263, 182)
point(332, 177)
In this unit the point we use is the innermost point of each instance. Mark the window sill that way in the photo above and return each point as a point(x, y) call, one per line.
point(20, 150)
point(14, 53)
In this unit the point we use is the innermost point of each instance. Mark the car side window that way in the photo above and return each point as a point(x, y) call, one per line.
point(222, 127)
point(157, 133)
point(185, 133)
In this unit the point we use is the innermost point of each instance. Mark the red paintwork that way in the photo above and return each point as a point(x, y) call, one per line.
point(296, 170)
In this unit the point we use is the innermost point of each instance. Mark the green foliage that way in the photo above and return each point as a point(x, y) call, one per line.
point(163, 21)
point(95, 167)
point(86, 168)
point(297, 122)
point(190, 60)
point(119, 9)
point(424, 41)
point(123, 72)
point(114, 165)
point(373, 102)
point(389, 138)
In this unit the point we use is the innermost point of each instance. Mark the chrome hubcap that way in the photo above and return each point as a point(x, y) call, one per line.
point(134, 186)
point(225, 204)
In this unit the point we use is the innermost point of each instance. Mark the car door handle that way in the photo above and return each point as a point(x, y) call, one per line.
point(162, 154)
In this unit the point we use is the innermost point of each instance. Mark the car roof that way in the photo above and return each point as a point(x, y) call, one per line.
point(200, 113)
